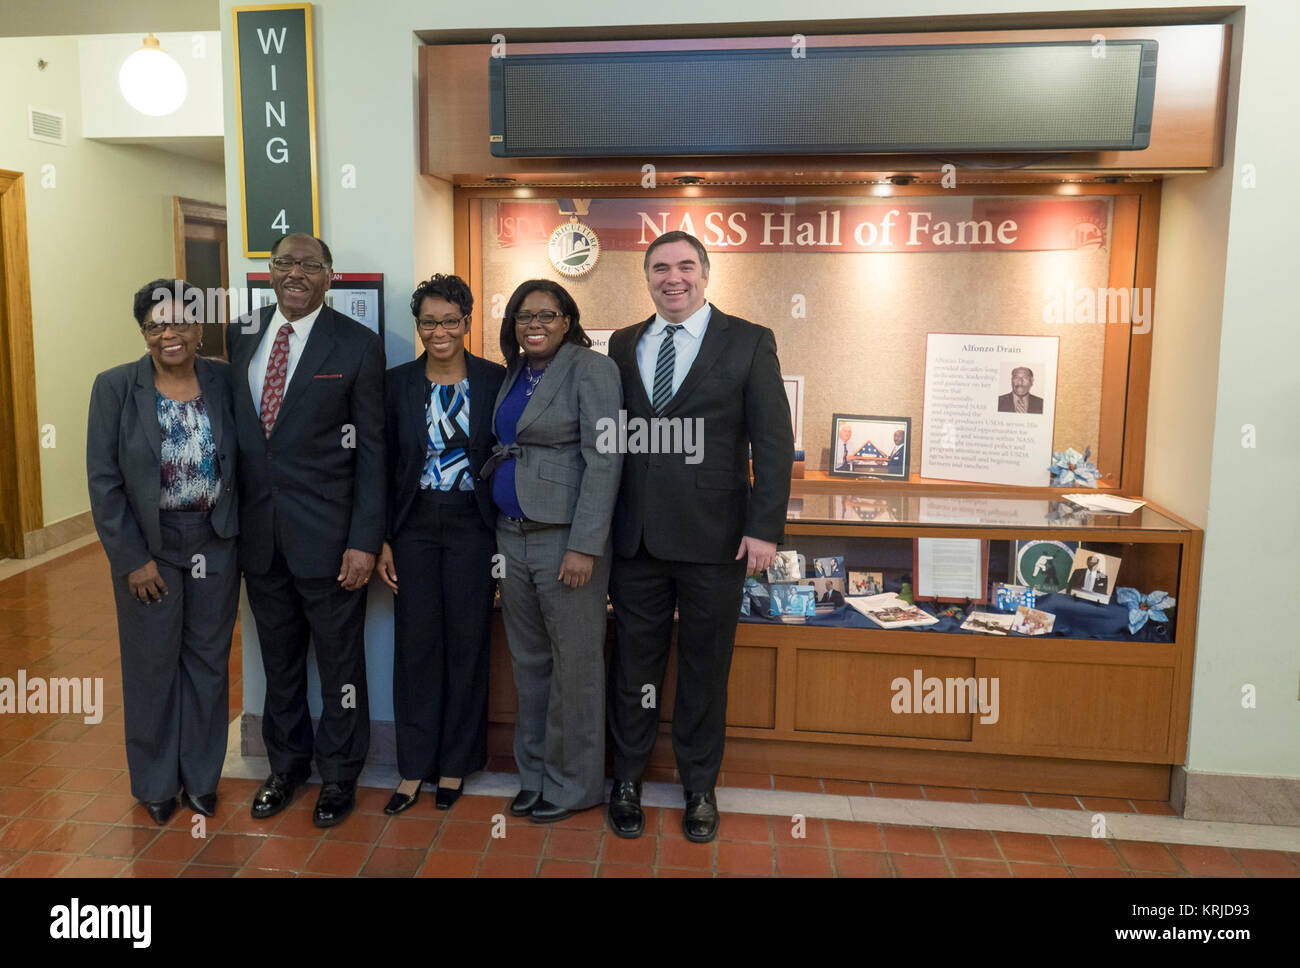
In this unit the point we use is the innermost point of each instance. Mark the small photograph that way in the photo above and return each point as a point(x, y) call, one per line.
point(829, 567)
point(1007, 598)
point(990, 623)
point(864, 446)
point(1044, 566)
point(756, 599)
point(1032, 621)
point(1018, 381)
point(866, 582)
point(891, 612)
point(827, 592)
point(788, 566)
point(792, 602)
point(1093, 576)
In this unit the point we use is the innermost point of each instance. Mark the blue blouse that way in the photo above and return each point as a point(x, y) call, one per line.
point(508, 414)
point(191, 478)
point(446, 460)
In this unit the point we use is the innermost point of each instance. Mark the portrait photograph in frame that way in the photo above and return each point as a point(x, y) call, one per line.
point(865, 446)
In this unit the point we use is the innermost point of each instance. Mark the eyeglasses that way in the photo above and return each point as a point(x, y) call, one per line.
point(310, 266)
point(180, 329)
point(429, 325)
point(545, 317)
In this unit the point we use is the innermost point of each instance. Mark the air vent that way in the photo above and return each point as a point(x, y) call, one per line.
point(48, 126)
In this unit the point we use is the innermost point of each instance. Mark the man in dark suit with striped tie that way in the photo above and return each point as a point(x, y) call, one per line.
point(687, 532)
point(309, 408)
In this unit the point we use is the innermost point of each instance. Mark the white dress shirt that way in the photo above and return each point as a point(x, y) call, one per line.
point(1090, 578)
point(686, 344)
point(297, 340)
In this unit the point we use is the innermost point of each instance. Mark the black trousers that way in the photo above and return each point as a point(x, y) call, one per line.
point(442, 635)
point(644, 591)
point(292, 613)
point(175, 661)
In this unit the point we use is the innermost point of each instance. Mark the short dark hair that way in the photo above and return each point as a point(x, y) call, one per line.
point(668, 237)
point(509, 345)
point(438, 286)
point(152, 293)
point(324, 249)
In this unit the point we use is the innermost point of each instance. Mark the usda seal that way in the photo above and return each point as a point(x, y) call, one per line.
point(573, 249)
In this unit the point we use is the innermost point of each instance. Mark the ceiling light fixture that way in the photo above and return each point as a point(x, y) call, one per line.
point(151, 80)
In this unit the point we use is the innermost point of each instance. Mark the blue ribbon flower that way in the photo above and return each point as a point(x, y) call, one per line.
point(1143, 607)
point(1071, 469)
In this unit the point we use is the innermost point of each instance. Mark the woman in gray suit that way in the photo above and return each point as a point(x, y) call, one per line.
point(555, 488)
point(160, 461)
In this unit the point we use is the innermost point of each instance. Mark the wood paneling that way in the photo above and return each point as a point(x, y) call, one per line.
point(21, 511)
point(1063, 707)
point(1186, 132)
point(847, 692)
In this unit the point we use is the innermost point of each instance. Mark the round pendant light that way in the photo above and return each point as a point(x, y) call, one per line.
point(151, 80)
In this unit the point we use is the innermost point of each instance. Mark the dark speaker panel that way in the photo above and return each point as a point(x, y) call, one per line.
point(1059, 96)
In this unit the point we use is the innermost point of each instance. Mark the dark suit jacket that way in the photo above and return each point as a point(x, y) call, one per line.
point(1077, 577)
point(405, 394)
point(699, 512)
point(124, 458)
point(896, 460)
point(562, 474)
point(1007, 405)
point(322, 496)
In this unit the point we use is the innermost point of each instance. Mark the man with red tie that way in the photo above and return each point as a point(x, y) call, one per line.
point(309, 405)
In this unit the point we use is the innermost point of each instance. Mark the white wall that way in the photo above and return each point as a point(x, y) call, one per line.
point(99, 225)
point(367, 112)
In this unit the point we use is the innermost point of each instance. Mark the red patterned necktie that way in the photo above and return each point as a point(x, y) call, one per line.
point(277, 372)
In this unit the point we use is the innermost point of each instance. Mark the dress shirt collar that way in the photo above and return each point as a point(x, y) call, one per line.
point(695, 323)
point(301, 327)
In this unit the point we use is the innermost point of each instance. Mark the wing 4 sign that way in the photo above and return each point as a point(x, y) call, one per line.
point(276, 105)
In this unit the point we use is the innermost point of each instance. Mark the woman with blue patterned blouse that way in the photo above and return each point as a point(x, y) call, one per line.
point(441, 539)
point(160, 462)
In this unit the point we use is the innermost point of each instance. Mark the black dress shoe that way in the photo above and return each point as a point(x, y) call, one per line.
point(700, 820)
point(335, 802)
point(205, 804)
point(274, 795)
point(547, 812)
point(401, 801)
point(524, 801)
point(626, 818)
point(160, 811)
point(446, 796)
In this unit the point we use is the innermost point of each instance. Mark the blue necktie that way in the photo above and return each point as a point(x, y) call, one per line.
point(664, 367)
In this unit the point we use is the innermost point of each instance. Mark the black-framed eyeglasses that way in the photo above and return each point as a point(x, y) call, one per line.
point(429, 325)
point(284, 263)
point(545, 317)
point(180, 329)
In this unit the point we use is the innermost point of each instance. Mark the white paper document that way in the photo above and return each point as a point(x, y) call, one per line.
point(1105, 503)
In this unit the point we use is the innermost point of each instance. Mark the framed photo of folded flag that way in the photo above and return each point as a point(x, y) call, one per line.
point(863, 446)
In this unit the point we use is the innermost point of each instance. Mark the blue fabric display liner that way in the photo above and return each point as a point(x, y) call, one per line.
point(1075, 619)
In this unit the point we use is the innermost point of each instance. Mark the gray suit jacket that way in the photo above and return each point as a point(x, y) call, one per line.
point(560, 476)
point(124, 458)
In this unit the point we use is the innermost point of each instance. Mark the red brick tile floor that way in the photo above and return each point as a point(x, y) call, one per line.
point(66, 808)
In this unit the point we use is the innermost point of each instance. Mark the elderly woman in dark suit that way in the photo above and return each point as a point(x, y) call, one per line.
point(555, 485)
point(440, 540)
point(160, 461)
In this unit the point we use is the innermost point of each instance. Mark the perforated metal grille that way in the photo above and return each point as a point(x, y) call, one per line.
point(1039, 97)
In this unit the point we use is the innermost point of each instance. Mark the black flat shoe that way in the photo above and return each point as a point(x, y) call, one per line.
point(547, 812)
point(700, 819)
point(401, 801)
point(446, 796)
point(160, 811)
point(524, 801)
point(626, 818)
point(335, 802)
point(274, 795)
point(205, 804)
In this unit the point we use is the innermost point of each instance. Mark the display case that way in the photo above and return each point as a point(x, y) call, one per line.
point(1087, 709)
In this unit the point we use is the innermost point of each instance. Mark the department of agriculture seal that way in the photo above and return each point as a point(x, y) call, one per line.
point(573, 249)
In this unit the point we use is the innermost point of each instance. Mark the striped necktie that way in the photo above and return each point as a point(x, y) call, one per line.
point(664, 367)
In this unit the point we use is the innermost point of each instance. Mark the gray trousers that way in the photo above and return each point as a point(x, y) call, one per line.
point(557, 644)
point(175, 661)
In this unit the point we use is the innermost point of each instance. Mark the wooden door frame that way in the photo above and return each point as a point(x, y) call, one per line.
point(191, 211)
point(20, 482)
